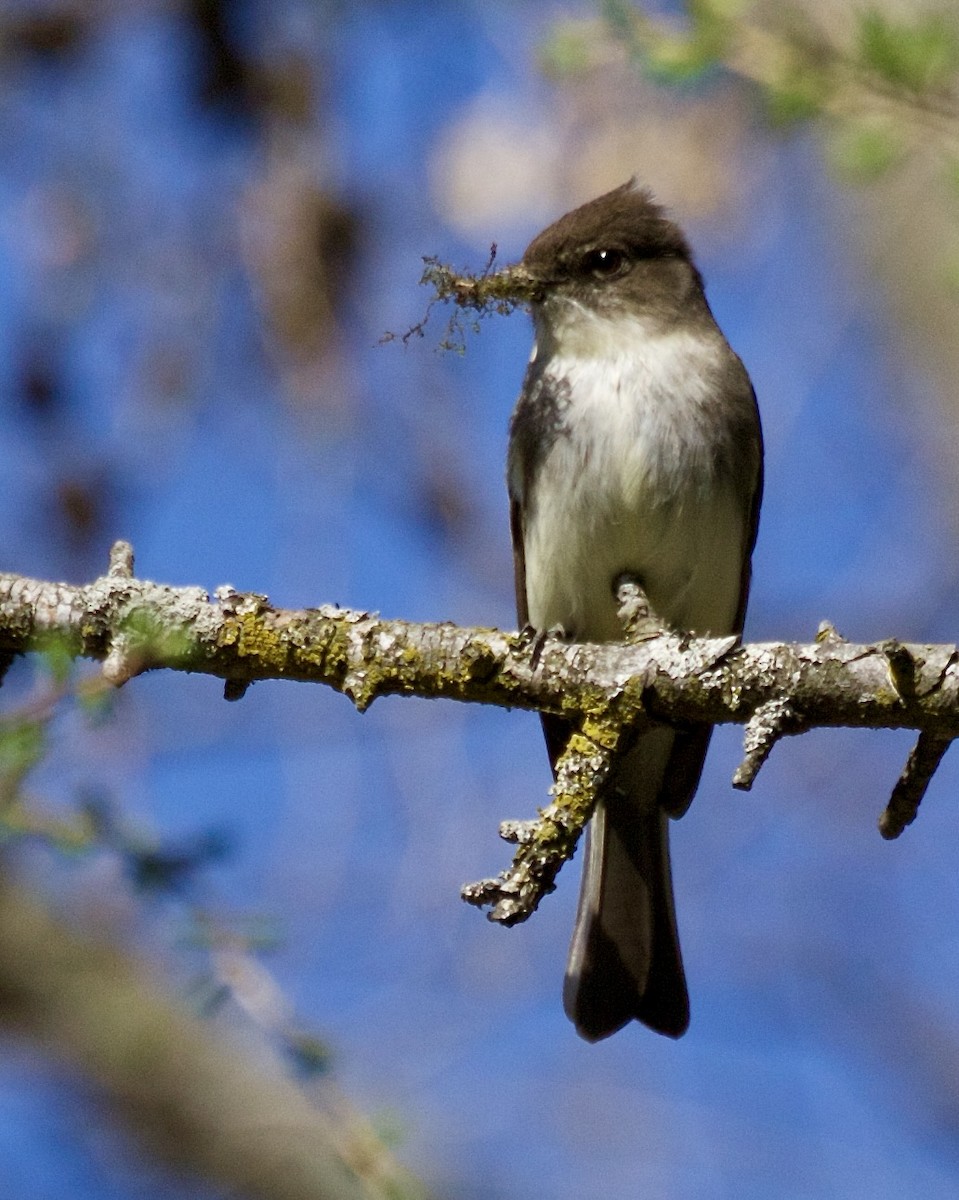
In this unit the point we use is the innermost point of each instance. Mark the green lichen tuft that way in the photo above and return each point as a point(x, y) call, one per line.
point(255, 638)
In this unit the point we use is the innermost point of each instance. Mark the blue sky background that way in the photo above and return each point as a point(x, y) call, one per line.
point(823, 962)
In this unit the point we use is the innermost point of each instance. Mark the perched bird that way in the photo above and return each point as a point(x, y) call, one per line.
point(635, 449)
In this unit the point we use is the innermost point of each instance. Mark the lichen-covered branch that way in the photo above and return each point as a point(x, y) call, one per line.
point(765, 727)
point(240, 637)
point(549, 841)
point(603, 691)
point(581, 771)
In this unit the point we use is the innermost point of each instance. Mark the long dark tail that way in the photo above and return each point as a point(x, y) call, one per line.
point(624, 961)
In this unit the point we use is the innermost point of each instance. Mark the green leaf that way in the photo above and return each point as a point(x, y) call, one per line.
point(712, 23)
point(619, 17)
point(798, 96)
point(58, 659)
point(22, 745)
point(567, 52)
point(917, 56)
point(864, 152)
point(673, 58)
point(677, 59)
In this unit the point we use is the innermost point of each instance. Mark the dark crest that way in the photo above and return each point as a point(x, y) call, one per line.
point(625, 221)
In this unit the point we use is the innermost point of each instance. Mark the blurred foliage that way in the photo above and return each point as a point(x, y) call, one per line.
point(921, 56)
point(881, 84)
point(24, 744)
point(173, 868)
point(866, 151)
point(311, 1056)
point(154, 867)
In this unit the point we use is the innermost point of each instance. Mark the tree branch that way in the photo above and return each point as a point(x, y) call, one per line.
point(606, 693)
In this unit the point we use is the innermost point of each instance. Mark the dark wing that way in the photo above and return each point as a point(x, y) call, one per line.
point(753, 528)
point(519, 561)
point(689, 751)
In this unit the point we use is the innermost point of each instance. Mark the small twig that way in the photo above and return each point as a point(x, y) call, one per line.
point(124, 659)
point(517, 833)
point(828, 634)
point(902, 667)
point(921, 765)
point(765, 727)
point(121, 561)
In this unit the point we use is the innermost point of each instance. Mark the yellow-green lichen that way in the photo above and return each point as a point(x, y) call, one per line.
point(256, 639)
point(601, 732)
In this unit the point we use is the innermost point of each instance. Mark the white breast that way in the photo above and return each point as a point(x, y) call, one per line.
point(631, 485)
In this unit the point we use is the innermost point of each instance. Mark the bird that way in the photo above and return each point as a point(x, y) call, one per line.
point(635, 451)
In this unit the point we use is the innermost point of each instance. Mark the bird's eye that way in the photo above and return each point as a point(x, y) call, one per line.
point(605, 264)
